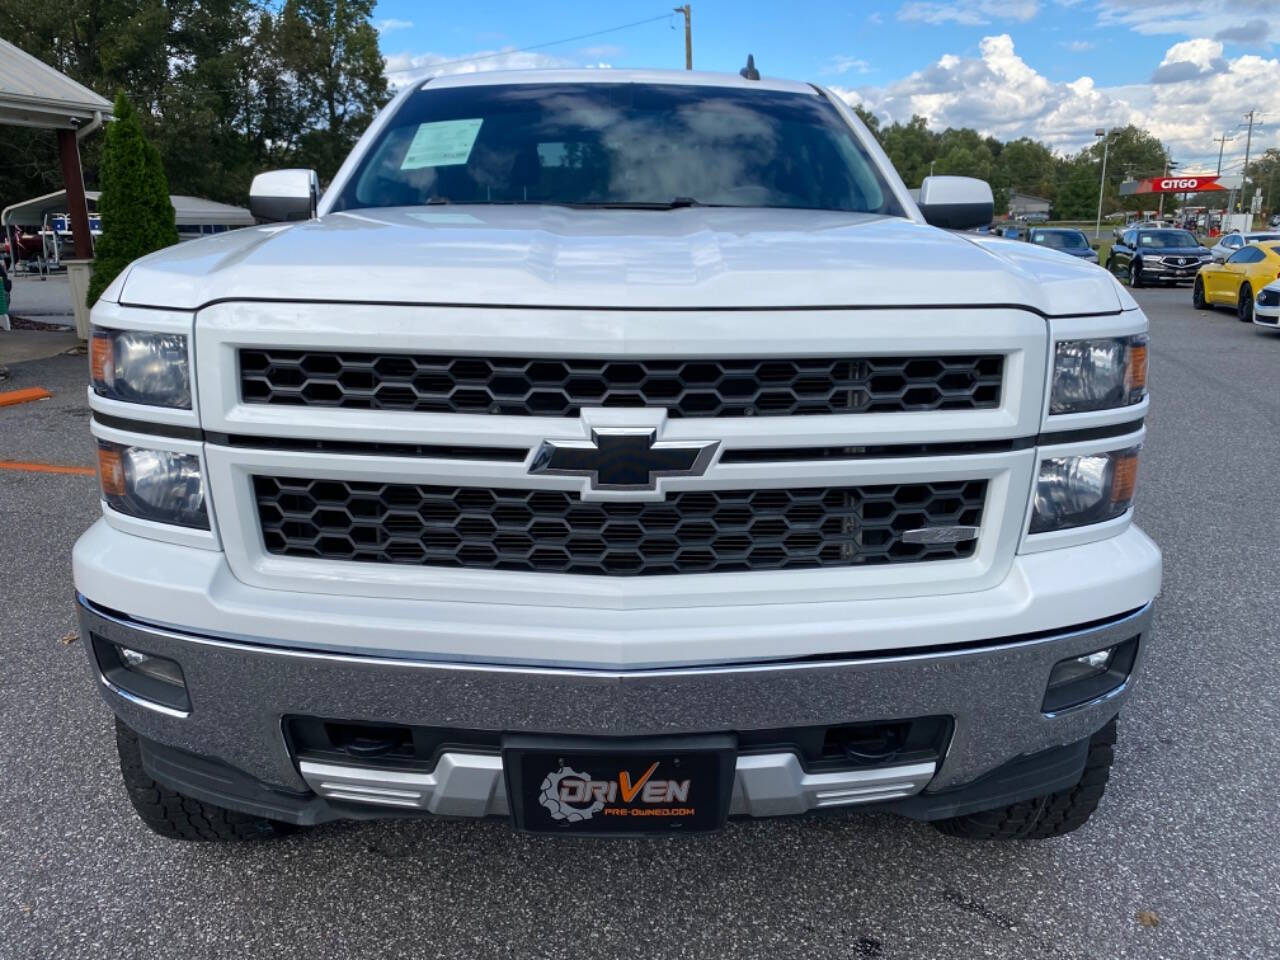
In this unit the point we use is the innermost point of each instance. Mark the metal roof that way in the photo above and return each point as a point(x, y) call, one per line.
point(188, 211)
point(34, 94)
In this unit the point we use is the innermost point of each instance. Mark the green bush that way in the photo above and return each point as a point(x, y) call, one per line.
point(137, 215)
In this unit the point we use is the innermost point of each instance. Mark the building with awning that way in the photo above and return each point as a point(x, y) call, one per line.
point(34, 94)
point(195, 216)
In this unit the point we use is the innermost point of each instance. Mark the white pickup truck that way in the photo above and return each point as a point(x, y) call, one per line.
point(615, 452)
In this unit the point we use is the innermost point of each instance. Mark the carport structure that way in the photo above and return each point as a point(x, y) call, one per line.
point(34, 94)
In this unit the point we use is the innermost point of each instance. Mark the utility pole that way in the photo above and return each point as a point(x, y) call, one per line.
point(1244, 176)
point(1167, 165)
point(687, 10)
point(1221, 141)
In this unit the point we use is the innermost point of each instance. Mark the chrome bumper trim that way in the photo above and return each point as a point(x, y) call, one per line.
point(472, 785)
point(240, 693)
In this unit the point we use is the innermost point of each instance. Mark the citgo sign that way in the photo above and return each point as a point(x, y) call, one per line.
point(1174, 185)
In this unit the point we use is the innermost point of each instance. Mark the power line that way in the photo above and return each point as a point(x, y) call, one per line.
point(552, 43)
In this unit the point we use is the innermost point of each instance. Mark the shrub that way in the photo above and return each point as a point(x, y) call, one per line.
point(137, 215)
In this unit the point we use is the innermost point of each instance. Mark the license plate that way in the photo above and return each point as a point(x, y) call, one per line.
point(587, 789)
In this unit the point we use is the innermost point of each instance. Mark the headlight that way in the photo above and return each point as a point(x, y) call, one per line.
point(1152, 258)
point(1098, 374)
point(138, 366)
point(153, 484)
point(1074, 491)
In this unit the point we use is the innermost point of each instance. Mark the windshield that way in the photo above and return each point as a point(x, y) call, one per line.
point(1062, 240)
point(617, 144)
point(1167, 238)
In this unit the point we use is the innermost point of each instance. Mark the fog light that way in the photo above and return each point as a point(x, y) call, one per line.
point(166, 671)
point(144, 678)
point(1081, 679)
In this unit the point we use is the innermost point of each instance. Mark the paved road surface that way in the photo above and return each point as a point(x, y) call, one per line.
point(1189, 830)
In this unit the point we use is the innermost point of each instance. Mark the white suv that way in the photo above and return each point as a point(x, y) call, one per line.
point(616, 452)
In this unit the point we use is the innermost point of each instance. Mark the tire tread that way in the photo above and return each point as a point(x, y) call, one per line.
point(179, 817)
point(1052, 815)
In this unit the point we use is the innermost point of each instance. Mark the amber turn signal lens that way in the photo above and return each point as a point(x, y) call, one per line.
point(1124, 479)
point(111, 471)
point(1135, 374)
point(101, 358)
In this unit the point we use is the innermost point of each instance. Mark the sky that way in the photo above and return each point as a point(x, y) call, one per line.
point(1187, 70)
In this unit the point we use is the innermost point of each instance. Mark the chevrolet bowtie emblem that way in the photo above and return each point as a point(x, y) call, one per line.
point(624, 458)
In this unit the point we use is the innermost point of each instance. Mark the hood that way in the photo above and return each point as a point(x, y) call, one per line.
point(687, 258)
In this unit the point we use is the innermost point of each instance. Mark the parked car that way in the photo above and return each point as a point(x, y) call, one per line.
point(1161, 255)
point(635, 489)
point(1233, 284)
point(1266, 308)
point(1232, 242)
point(1074, 242)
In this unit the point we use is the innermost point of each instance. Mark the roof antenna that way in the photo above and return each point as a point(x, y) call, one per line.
point(749, 71)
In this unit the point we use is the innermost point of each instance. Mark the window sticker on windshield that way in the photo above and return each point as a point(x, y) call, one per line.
point(444, 143)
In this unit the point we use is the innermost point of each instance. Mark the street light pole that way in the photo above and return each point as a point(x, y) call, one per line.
point(1221, 141)
point(1248, 142)
point(1102, 180)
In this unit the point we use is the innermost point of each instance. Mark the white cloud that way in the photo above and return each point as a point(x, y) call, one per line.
point(998, 93)
point(844, 64)
point(967, 12)
point(1077, 46)
point(1236, 21)
point(391, 24)
point(403, 68)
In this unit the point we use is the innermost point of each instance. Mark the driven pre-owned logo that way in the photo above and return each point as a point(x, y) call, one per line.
point(572, 796)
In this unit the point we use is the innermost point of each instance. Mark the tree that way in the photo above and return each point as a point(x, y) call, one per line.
point(911, 146)
point(330, 49)
point(137, 215)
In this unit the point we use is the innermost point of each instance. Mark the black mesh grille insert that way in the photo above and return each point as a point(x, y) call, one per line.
point(561, 388)
point(557, 532)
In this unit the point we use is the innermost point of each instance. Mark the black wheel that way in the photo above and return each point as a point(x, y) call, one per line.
point(1135, 275)
point(178, 817)
point(1051, 815)
point(1244, 306)
point(1197, 295)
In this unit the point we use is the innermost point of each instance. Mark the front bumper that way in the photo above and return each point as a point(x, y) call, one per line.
point(241, 692)
point(1266, 315)
point(1180, 274)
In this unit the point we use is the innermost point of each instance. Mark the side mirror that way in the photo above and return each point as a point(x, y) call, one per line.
point(956, 203)
point(284, 195)
point(1095, 245)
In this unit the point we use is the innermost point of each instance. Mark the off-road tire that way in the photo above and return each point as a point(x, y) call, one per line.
point(179, 817)
point(1197, 295)
point(1051, 815)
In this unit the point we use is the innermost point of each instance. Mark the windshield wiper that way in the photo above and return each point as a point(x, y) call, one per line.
point(672, 204)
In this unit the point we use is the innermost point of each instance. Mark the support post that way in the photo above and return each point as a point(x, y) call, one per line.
point(77, 206)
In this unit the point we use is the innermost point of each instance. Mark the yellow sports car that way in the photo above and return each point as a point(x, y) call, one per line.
point(1236, 282)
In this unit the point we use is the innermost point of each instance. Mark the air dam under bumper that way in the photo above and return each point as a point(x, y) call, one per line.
point(240, 692)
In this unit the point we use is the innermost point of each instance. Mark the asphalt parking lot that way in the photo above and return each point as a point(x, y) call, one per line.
point(1188, 838)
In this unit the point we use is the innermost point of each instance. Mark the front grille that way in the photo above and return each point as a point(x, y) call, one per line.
point(517, 386)
point(554, 531)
